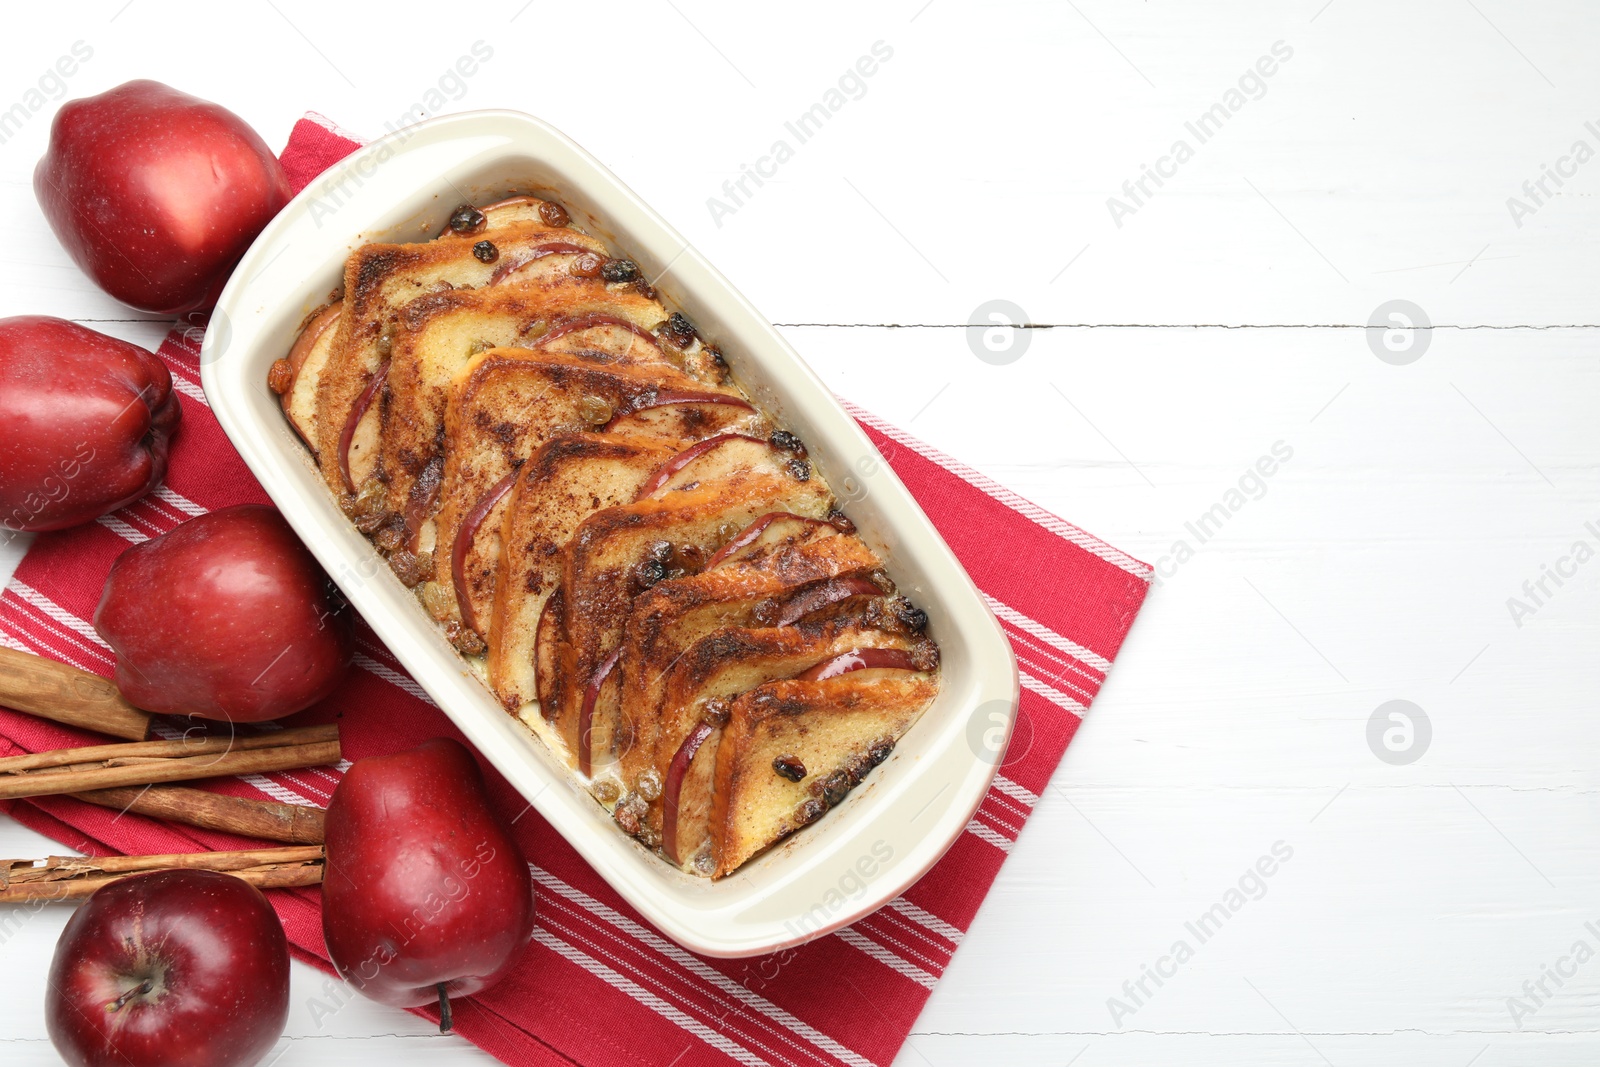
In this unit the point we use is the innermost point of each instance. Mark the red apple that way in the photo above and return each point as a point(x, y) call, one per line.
point(156, 194)
point(465, 536)
point(85, 421)
point(352, 422)
point(672, 789)
point(226, 616)
point(426, 894)
point(169, 969)
point(591, 697)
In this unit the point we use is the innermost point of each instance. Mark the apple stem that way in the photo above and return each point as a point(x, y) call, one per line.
point(444, 1010)
point(136, 991)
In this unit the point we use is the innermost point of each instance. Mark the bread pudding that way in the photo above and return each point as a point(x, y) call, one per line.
point(638, 562)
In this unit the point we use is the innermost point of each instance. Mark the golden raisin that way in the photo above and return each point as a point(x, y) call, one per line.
point(280, 377)
point(594, 410)
point(440, 604)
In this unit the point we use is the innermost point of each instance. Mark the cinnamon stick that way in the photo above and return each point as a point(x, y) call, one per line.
point(67, 695)
point(78, 770)
point(293, 823)
point(75, 877)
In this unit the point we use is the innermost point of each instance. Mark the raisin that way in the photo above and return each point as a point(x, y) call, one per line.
point(678, 331)
point(467, 642)
point(880, 750)
point(466, 219)
point(789, 767)
point(810, 812)
point(389, 538)
point(716, 712)
point(407, 567)
point(910, 617)
point(629, 814)
point(800, 469)
point(485, 252)
point(439, 603)
point(606, 791)
point(594, 410)
point(649, 573)
point(833, 788)
point(553, 214)
point(840, 521)
point(587, 265)
point(619, 270)
point(784, 441)
point(385, 343)
point(367, 510)
point(280, 378)
point(925, 656)
point(649, 785)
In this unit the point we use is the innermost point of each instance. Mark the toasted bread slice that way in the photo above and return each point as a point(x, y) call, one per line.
point(828, 734)
point(379, 280)
point(673, 615)
point(616, 553)
point(504, 404)
point(566, 480)
point(438, 333)
point(305, 363)
point(701, 684)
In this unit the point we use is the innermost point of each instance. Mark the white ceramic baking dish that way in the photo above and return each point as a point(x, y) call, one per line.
point(889, 831)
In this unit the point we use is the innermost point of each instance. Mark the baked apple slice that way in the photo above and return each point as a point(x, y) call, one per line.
point(568, 478)
point(793, 749)
point(295, 377)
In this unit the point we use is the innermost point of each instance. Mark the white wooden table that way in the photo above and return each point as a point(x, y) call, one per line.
point(1224, 316)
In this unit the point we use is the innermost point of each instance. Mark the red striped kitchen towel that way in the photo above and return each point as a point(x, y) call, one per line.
point(599, 986)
